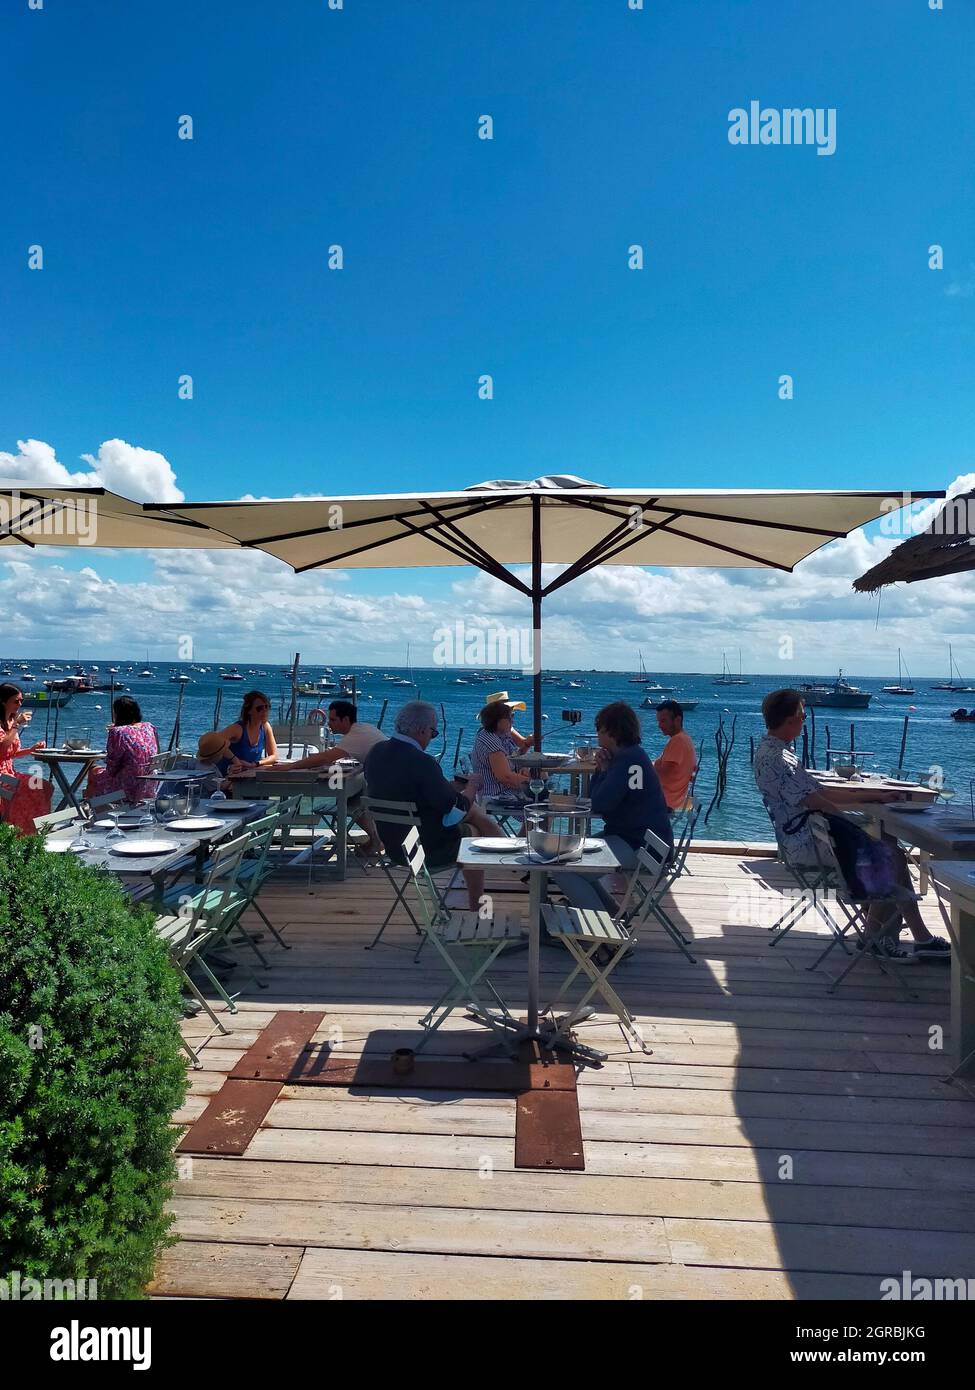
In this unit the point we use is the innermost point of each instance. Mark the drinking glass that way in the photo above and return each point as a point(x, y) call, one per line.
point(115, 833)
point(163, 807)
point(84, 824)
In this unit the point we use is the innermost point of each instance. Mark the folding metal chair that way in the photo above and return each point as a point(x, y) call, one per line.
point(461, 937)
point(855, 906)
point(108, 799)
point(257, 867)
point(811, 881)
point(203, 917)
point(55, 820)
point(653, 887)
point(397, 813)
point(586, 931)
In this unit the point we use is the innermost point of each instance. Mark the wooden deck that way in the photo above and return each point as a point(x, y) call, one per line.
point(779, 1143)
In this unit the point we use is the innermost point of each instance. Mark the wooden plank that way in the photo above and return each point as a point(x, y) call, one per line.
point(323, 1068)
point(526, 1190)
point(218, 1269)
point(944, 1175)
point(368, 1274)
point(447, 1230)
point(276, 1053)
point(231, 1119)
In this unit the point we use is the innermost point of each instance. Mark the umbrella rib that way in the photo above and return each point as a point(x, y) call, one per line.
point(595, 505)
point(465, 509)
point(487, 561)
point(471, 558)
point(593, 556)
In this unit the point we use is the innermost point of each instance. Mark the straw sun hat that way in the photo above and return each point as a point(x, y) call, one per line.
point(501, 697)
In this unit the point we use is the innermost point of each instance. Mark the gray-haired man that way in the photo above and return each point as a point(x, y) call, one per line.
point(401, 770)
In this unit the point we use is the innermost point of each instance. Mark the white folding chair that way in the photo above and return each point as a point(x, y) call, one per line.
point(54, 820)
point(654, 886)
point(461, 939)
point(585, 932)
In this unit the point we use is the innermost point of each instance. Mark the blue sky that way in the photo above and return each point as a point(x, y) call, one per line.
point(464, 256)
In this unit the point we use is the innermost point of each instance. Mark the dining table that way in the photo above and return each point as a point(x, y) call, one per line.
point(597, 859)
point(58, 759)
point(190, 852)
point(578, 770)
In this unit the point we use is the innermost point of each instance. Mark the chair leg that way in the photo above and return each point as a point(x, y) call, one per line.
point(201, 1000)
point(269, 924)
point(193, 1057)
point(599, 984)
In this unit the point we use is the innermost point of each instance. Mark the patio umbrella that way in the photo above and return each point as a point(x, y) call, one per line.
point(94, 517)
point(554, 520)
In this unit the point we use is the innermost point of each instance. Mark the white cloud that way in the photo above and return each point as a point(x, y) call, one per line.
point(141, 474)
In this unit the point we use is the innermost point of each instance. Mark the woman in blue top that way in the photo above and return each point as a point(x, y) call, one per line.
point(251, 739)
point(626, 792)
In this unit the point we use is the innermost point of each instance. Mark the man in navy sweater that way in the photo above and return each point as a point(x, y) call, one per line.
point(626, 792)
point(400, 769)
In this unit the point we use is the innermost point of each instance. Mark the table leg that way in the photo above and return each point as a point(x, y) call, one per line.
point(536, 894)
point(963, 990)
point(342, 832)
point(64, 787)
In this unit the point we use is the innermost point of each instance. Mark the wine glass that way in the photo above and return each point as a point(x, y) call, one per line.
point(82, 827)
point(115, 833)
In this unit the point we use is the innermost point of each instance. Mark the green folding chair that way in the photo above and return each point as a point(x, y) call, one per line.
point(468, 943)
point(56, 820)
point(257, 867)
point(201, 916)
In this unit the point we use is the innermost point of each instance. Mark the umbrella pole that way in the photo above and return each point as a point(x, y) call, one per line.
point(537, 619)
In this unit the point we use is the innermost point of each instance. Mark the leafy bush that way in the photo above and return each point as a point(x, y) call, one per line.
point(90, 1073)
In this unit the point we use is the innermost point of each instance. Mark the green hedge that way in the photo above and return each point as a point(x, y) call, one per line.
point(90, 1072)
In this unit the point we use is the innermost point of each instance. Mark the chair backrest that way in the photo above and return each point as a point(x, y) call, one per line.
point(261, 834)
point(8, 787)
point(109, 799)
point(314, 737)
point(55, 819)
point(423, 884)
point(826, 854)
point(393, 812)
point(163, 762)
point(691, 813)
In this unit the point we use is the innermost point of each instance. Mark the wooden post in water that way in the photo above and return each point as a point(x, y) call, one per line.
point(460, 735)
point(382, 714)
point(174, 736)
point(900, 760)
point(853, 737)
point(216, 707)
point(812, 735)
point(805, 747)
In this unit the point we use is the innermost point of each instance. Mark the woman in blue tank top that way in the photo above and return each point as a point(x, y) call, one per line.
point(252, 738)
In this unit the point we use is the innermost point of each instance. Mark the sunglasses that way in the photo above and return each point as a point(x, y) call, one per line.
point(260, 707)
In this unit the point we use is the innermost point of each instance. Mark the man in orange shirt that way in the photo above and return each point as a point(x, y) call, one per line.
point(676, 764)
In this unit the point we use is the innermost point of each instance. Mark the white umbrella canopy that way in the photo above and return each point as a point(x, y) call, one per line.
point(559, 520)
point(94, 517)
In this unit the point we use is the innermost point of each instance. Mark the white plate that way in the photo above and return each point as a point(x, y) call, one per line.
point(502, 845)
point(229, 808)
point(592, 846)
point(138, 848)
point(123, 822)
point(196, 823)
point(57, 846)
point(911, 807)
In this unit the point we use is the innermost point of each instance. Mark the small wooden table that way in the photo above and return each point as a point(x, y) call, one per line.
point(59, 758)
point(956, 878)
point(600, 862)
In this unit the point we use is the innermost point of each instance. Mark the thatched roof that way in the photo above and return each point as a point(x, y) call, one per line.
point(946, 546)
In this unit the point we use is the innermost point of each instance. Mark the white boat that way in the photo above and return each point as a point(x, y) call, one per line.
point(648, 681)
point(232, 675)
point(900, 688)
point(726, 677)
point(955, 679)
point(146, 673)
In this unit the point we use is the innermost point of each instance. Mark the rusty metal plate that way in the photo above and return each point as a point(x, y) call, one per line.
point(548, 1131)
point(278, 1051)
point(319, 1067)
point(232, 1118)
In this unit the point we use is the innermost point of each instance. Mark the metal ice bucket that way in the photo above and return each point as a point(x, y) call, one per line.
point(555, 833)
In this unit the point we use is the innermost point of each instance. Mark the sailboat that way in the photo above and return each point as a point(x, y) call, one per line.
point(726, 677)
point(954, 681)
point(900, 688)
point(648, 681)
point(401, 680)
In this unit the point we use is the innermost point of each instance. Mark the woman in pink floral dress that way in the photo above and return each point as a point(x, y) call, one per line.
point(131, 747)
point(33, 795)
